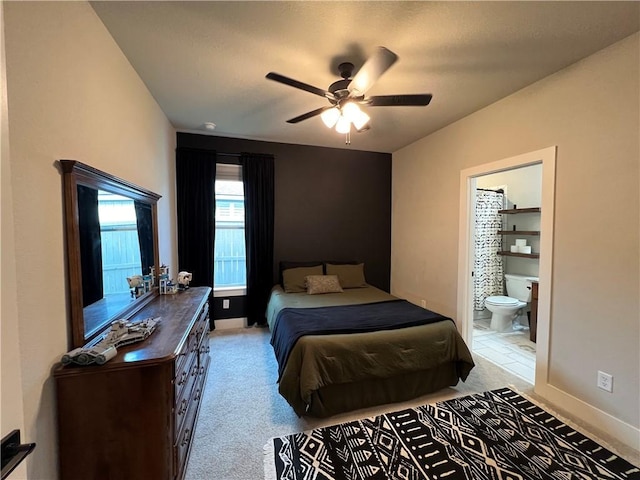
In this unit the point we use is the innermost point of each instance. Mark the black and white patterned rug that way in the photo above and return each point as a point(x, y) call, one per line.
point(497, 435)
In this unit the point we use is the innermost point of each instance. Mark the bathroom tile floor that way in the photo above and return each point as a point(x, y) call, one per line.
point(512, 351)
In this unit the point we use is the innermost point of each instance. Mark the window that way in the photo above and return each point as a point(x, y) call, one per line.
point(230, 268)
point(120, 245)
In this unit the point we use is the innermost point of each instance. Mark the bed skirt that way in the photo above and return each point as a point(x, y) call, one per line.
point(333, 399)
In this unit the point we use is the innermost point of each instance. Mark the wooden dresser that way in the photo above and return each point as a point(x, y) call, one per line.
point(134, 417)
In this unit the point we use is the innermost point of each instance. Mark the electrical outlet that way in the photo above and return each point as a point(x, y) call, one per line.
point(423, 303)
point(225, 304)
point(605, 381)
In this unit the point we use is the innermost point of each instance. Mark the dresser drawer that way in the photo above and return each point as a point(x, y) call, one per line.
point(184, 394)
point(203, 369)
point(204, 351)
point(184, 357)
point(184, 373)
point(200, 337)
point(185, 433)
point(204, 315)
point(202, 325)
point(190, 350)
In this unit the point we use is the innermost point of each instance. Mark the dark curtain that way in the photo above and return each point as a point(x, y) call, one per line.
point(90, 245)
point(258, 180)
point(144, 223)
point(196, 200)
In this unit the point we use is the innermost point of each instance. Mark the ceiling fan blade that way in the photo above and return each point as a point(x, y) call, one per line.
point(302, 86)
point(310, 114)
point(372, 69)
point(418, 100)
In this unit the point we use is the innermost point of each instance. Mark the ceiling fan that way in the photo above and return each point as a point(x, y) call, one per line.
point(345, 96)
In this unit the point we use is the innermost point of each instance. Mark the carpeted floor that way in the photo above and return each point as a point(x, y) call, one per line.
point(241, 408)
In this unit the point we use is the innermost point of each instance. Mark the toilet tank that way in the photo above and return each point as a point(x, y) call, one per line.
point(519, 286)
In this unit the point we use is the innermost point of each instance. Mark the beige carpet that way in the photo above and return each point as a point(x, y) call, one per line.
point(241, 408)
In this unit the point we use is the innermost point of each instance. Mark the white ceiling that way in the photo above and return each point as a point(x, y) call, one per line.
point(206, 61)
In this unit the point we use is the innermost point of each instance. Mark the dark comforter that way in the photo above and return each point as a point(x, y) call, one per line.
point(325, 374)
point(293, 323)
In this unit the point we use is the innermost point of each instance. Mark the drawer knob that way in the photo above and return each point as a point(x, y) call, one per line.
point(183, 406)
point(185, 437)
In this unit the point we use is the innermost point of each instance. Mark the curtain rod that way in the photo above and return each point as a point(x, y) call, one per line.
point(222, 154)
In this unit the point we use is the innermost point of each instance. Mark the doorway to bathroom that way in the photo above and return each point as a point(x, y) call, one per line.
point(506, 222)
point(506, 247)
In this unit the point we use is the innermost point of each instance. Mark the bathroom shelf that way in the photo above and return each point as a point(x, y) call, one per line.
point(523, 255)
point(513, 211)
point(518, 232)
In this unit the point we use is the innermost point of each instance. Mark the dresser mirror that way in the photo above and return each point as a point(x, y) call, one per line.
point(112, 247)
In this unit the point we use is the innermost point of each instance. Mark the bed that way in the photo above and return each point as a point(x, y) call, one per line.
point(348, 348)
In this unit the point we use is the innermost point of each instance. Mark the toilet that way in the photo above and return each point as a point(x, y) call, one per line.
point(504, 309)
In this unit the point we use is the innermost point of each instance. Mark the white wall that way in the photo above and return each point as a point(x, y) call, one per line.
point(11, 414)
point(71, 95)
point(591, 112)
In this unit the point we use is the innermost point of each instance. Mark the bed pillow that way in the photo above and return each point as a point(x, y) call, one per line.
point(288, 264)
point(350, 276)
point(294, 279)
point(317, 284)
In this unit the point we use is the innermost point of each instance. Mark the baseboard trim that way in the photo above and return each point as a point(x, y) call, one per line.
point(622, 431)
point(230, 323)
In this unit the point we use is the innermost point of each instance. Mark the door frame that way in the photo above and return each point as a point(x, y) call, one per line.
point(466, 251)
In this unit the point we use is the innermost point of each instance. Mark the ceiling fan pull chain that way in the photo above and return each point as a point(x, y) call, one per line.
point(347, 140)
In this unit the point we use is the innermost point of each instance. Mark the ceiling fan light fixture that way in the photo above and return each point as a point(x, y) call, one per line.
point(330, 117)
point(355, 115)
point(361, 121)
point(350, 111)
point(343, 125)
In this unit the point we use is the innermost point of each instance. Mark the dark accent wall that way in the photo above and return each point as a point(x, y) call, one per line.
point(330, 204)
point(237, 308)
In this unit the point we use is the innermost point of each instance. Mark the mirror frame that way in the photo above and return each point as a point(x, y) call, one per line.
point(76, 173)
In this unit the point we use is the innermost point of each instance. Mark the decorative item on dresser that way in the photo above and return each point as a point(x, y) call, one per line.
point(134, 417)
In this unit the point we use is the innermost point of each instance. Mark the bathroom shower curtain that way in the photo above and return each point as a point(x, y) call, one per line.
point(488, 269)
